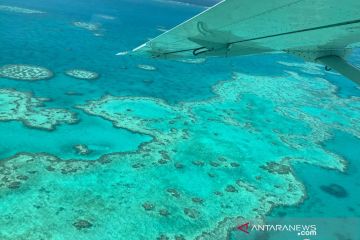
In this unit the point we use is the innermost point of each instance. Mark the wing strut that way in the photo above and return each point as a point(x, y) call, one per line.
point(340, 65)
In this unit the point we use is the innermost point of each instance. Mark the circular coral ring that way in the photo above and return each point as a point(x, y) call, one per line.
point(25, 72)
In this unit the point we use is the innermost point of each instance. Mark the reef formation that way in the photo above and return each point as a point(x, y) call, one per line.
point(210, 164)
point(14, 9)
point(193, 60)
point(87, 26)
point(82, 74)
point(94, 27)
point(146, 67)
point(25, 72)
point(20, 106)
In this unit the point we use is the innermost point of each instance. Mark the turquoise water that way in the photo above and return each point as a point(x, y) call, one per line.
point(319, 202)
point(61, 142)
point(187, 151)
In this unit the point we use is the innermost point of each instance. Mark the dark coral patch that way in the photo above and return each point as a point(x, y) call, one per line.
point(163, 161)
point(214, 164)
point(198, 200)
point(162, 237)
point(274, 167)
point(230, 188)
point(173, 192)
point(234, 164)
point(218, 193)
point(191, 213)
point(179, 237)
point(164, 212)
point(198, 163)
point(212, 175)
point(82, 224)
point(22, 177)
point(179, 165)
point(148, 206)
point(334, 190)
point(14, 185)
point(138, 165)
point(50, 168)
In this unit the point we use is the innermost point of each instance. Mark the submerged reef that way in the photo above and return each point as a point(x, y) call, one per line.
point(210, 166)
point(87, 26)
point(106, 17)
point(307, 67)
point(82, 74)
point(162, 29)
point(146, 67)
point(19, 10)
point(94, 27)
point(82, 224)
point(335, 190)
point(82, 149)
point(193, 60)
point(20, 106)
point(25, 72)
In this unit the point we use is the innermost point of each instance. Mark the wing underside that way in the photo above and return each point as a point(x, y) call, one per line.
point(306, 28)
point(241, 27)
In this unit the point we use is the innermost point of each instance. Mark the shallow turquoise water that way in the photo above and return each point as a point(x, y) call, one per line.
point(194, 139)
point(61, 141)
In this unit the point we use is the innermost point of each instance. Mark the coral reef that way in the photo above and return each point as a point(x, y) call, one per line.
point(82, 224)
point(82, 74)
point(335, 190)
point(277, 168)
point(106, 17)
point(93, 27)
point(187, 122)
point(20, 106)
point(307, 67)
point(72, 93)
point(19, 10)
point(146, 67)
point(209, 165)
point(148, 206)
point(193, 60)
point(25, 72)
point(87, 26)
point(82, 149)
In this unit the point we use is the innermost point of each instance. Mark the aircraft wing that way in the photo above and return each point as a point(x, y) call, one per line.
point(312, 29)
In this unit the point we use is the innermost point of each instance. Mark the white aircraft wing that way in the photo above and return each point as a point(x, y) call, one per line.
point(312, 29)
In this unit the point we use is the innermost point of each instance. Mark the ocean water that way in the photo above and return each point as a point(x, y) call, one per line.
point(185, 150)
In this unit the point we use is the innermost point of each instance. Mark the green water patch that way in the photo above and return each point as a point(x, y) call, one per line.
point(89, 139)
